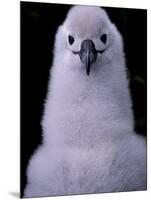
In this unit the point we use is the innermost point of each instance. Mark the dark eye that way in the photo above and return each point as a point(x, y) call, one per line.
point(103, 38)
point(70, 39)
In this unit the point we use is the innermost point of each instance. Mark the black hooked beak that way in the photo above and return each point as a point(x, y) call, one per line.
point(88, 54)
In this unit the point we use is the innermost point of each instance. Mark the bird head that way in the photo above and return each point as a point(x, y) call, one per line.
point(87, 39)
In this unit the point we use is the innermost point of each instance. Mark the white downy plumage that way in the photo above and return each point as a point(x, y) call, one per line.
point(89, 144)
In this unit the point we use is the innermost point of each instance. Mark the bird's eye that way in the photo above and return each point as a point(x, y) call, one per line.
point(70, 39)
point(103, 38)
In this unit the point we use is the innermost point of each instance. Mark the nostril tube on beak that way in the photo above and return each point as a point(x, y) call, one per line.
point(88, 54)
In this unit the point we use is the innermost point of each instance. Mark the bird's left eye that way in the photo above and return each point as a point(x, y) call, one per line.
point(70, 39)
point(103, 38)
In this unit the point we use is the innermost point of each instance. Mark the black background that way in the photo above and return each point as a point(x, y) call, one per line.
point(39, 22)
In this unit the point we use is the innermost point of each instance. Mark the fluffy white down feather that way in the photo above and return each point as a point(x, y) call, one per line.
point(89, 144)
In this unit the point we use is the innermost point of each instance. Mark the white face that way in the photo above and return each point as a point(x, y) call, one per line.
point(87, 28)
point(88, 37)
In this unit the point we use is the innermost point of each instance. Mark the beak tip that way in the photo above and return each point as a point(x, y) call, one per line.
point(88, 73)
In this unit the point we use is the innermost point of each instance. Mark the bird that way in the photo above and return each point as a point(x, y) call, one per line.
point(89, 143)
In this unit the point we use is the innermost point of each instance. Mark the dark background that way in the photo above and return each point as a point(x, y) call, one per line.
point(39, 22)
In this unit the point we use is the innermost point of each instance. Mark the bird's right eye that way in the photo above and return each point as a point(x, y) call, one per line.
point(70, 39)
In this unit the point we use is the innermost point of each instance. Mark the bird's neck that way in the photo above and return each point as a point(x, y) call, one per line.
point(98, 102)
point(108, 85)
